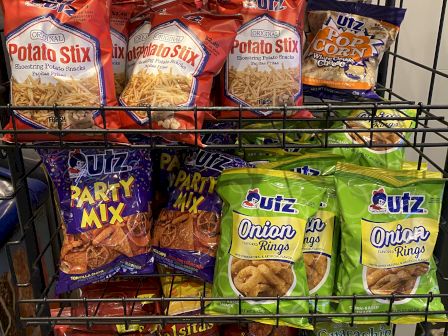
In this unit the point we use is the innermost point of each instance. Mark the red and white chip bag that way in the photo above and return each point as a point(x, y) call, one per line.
point(174, 66)
point(264, 66)
point(120, 16)
point(60, 53)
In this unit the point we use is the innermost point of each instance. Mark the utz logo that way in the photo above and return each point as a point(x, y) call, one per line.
point(382, 203)
point(255, 200)
point(307, 170)
point(80, 164)
point(270, 5)
point(61, 6)
point(349, 23)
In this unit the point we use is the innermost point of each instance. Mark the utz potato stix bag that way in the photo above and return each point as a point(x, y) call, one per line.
point(260, 253)
point(178, 59)
point(187, 231)
point(389, 156)
point(348, 41)
point(322, 230)
point(60, 53)
point(264, 66)
point(105, 205)
point(120, 16)
point(390, 223)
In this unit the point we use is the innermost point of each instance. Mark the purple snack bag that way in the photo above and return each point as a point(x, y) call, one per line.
point(186, 233)
point(105, 205)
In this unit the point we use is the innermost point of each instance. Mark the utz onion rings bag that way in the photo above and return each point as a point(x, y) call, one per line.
point(320, 246)
point(175, 66)
point(186, 233)
point(60, 53)
point(262, 231)
point(105, 204)
point(348, 43)
point(389, 230)
point(264, 67)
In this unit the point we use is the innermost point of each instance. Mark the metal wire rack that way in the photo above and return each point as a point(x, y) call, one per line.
point(42, 257)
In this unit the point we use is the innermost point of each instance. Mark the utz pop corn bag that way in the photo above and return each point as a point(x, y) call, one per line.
point(347, 43)
point(390, 223)
point(262, 232)
point(105, 205)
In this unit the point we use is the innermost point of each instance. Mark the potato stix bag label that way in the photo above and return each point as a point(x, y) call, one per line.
point(389, 156)
point(264, 66)
point(105, 203)
point(260, 253)
point(389, 230)
point(60, 53)
point(174, 65)
point(348, 41)
point(322, 230)
point(186, 233)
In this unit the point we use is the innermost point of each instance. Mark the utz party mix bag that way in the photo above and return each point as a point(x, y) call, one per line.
point(260, 253)
point(389, 230)
point(187, 231)
point(105, 205)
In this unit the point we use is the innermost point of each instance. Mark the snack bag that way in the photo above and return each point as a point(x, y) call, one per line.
point(344, 329)
point(264, 66)
point(140, 289)
point(348, 43)
point(389, 229)
point(178, 59)
point(322, 230)
point(120, 16)
point(257, 329)
point(60, 54)
point(260, 252)
point(182, 287)
point(105, 203)
point(186, 234)
point(388, 157)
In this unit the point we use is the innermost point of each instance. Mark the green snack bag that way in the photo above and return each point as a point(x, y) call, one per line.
point(344, 329)
point(313, 164)
point(381, 157)
point(389, 230)
point(260, 253)
point(322, 230)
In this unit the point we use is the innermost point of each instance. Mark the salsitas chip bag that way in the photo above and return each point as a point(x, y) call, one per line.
point(105, 205)
point(348, 43)
point(387, 149)
point(60, 53)
point(389, 230)
point(260, 254)
point(178, 58)
point(322, 230)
